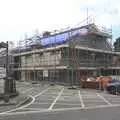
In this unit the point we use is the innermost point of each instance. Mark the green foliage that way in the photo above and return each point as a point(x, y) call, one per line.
point(117, 45)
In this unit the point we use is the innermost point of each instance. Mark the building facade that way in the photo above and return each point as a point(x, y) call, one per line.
point(69, 57)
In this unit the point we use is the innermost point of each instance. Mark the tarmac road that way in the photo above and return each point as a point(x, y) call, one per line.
point(60, 103)
point(112, 113)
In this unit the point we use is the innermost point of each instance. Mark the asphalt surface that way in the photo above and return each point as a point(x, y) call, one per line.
point(60, 103)
point(25, 89)
point(85, 114)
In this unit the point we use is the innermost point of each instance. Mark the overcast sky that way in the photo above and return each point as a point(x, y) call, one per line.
point(18, 17)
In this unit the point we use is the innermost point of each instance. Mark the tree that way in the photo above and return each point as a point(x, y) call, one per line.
point(117, 45)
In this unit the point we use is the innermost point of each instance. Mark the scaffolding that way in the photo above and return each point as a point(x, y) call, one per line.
point(41, 58)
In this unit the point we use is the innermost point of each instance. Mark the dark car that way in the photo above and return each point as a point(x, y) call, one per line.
point(113, 87)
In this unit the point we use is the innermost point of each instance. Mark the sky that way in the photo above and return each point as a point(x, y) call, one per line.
point(26, 17)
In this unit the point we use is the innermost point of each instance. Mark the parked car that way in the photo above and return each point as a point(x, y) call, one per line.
point(113, 87)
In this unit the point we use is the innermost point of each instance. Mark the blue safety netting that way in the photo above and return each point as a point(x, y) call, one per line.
point(59, 38)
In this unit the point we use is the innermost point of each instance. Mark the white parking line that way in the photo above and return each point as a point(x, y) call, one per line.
point(41, 92)
point(60, 93)
point(106, 101)
point(27, 90)
point(34, 109)
point(33, 100)
point(81, 100)
point(57, 110)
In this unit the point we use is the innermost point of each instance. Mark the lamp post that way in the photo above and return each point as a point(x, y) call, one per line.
point(9, 83)
point(6, 83)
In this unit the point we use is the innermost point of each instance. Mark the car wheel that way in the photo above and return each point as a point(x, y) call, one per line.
point(113, 90)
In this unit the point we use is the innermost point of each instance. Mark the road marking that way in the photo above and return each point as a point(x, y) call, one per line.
point(106, 101)
point(86, 108)
point(56, 103)
point(35, 109)
point(58, 110)
point(60, 93)
point(41, 92)
point(24, 112)
point(33, 100)
point(27, 90)
point(81, 100)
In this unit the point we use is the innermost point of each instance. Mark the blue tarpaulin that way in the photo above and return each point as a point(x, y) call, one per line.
point(59, 38)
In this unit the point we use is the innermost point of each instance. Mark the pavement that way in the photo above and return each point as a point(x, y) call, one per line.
point(60, 103)
point(13, 102)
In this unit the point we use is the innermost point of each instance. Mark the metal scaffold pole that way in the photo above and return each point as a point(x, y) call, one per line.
point(55, 60)
point(6, 85)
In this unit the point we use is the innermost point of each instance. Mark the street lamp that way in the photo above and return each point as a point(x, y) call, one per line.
point(8, 84)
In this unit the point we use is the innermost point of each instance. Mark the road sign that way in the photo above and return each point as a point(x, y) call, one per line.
point(2, 72)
